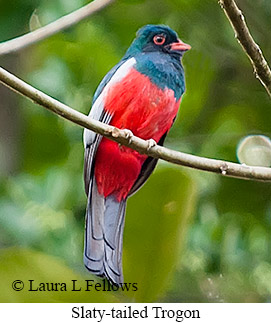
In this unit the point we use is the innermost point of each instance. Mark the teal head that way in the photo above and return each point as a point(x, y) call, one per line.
point(157, 38)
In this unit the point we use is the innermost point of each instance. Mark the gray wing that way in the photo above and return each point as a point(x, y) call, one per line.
point(147, 167)
point(92, 141)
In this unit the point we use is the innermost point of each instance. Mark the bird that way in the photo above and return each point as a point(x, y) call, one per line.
point(141, 95)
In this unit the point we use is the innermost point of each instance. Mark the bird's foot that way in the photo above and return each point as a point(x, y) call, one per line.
point(128, 135)
point(151, 143)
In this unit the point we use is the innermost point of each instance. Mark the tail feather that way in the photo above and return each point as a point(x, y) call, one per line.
point(113, 220)
point(97, 207)
point(104, 235)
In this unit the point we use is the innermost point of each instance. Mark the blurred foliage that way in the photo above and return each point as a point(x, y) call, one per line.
point(223, 254)
point(159, 214)
point(255, 151)
point(31, 265)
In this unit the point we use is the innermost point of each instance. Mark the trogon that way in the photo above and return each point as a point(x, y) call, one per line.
point(142, 94)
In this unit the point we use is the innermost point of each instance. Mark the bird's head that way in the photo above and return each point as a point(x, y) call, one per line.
point(157, 38)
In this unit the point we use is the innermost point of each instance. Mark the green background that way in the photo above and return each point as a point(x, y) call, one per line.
point(190, 236)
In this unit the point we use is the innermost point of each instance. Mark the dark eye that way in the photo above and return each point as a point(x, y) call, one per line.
point(159, 39)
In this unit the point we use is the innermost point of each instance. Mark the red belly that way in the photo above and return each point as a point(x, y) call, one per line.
point(138, 105)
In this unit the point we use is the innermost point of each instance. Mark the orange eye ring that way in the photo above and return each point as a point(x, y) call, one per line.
point(159, 39)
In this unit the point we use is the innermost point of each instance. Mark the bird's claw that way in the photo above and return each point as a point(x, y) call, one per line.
point(128, 135)
point(151, 143)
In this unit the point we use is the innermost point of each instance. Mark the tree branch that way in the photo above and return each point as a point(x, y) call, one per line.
point(56, 26)
point(253, 51)
point(140, 145)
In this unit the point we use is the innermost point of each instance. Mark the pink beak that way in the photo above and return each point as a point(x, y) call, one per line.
point(180, 46)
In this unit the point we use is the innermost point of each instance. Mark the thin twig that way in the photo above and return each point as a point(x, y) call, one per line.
point(58, 25)
point(140, 145)
point(261, 69)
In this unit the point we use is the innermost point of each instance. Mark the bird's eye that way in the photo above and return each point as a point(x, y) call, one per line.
point(159, 39)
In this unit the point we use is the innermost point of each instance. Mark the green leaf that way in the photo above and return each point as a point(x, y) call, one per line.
point(157, 222)
point(255, 151)
point(25, 265)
